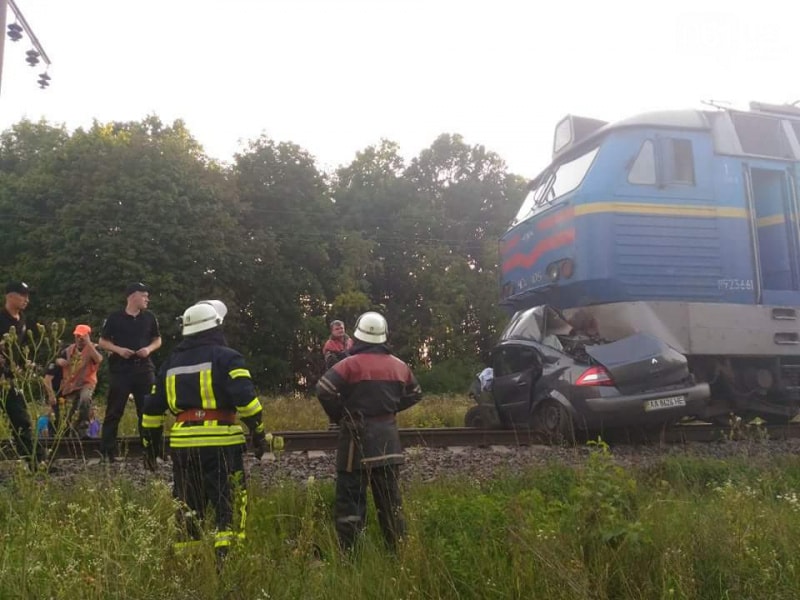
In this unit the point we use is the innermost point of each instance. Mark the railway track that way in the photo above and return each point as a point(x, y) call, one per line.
point(305, 441)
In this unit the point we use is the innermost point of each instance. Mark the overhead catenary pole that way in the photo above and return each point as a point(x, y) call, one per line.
point(3, 9)
point(27, 28)
point(4, 6)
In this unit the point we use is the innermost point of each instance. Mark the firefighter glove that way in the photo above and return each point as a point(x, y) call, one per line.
point(151, 440)
point(260, 445)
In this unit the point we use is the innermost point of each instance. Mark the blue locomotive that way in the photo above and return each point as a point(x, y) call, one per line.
point(680, 225)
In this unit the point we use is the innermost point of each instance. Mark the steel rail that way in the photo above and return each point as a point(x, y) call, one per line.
point(307, 441)
point(297, 441)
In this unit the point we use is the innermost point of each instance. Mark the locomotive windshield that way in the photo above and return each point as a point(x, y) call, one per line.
point(554, 183)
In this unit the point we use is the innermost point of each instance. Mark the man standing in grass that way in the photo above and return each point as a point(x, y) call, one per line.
point(206, 385)
point(13, 335)
point(363, 393)
point(130, 335)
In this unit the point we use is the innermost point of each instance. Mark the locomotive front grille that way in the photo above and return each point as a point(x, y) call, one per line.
point(790, 379)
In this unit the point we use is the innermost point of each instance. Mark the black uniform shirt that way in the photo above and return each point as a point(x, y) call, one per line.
point(57, 374)
point(6, 323)
point(132, 332)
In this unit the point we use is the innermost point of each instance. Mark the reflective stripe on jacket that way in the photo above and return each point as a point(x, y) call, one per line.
point(203, 374)
point(363, 393)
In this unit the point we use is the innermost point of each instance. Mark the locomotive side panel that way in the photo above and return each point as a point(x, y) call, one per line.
point(702, 328)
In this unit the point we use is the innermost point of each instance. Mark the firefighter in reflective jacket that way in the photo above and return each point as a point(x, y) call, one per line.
point(205, 385)
point(363, 393)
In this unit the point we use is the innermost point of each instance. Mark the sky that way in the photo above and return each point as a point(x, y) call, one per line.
point(336, 76)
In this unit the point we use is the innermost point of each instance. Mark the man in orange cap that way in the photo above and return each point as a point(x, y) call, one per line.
point(79, 363)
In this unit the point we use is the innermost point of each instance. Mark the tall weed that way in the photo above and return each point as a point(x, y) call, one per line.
point(598, 531)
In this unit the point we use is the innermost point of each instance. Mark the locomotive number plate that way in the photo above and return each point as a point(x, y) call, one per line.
point(659, 403)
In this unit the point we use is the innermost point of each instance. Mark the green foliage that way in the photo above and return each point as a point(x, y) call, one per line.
point(22, 358)
point(517, 536)
point(287, 247)
point(299, 412)
point(436, 410)
point(451, 376)
point(347, 307)
point(97, 540)
point(699, 474)
point(452, 525)
point(603, 510)
point(604, 501)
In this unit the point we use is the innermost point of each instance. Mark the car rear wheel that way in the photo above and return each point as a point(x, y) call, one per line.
point(553, 421)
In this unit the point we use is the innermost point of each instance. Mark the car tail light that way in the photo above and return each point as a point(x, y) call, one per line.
point(595, 376)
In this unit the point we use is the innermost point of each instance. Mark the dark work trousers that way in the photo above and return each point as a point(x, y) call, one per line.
point(351, 504)
point(123, 384)
point(59, 414)
point(213, 476)
point(79, 401)
point(21, 431)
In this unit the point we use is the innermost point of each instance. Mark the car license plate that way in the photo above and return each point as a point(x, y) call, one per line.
point(659, 403)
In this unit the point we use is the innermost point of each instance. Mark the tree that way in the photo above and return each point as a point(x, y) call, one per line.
point(126, 202)
point(287, 238)
point(286, 247)
point(434, 226)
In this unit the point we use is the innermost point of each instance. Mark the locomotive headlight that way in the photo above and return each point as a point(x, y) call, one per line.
point(567, 268)
point(553, 271)
point(560, 269)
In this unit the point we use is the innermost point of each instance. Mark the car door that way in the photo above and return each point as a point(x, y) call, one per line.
point(517, 368)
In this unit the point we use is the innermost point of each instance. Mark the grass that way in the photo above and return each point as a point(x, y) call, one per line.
point(685, 528)
point(299, 412)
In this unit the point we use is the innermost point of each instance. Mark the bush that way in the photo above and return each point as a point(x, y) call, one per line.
point(452, 376)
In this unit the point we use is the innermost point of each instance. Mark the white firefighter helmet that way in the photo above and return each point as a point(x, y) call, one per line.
point(218, 305)
point(371, 327)
point(200, 317)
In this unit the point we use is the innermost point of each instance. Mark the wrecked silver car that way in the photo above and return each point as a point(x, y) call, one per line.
point(552, 375)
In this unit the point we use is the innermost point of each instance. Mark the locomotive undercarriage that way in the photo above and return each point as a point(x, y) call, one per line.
point(748, 387)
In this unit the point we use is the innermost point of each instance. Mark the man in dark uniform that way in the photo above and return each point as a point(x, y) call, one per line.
point(206, 385)
point(130, 336)
point(53, 375)
point(363, 393)
point(13, 402)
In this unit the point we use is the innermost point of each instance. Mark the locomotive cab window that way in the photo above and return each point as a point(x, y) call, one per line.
point(555, 183)
point(643, 168)
point(796, 127)
point(677, 161)
point(762, 136)
point(670, 161)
